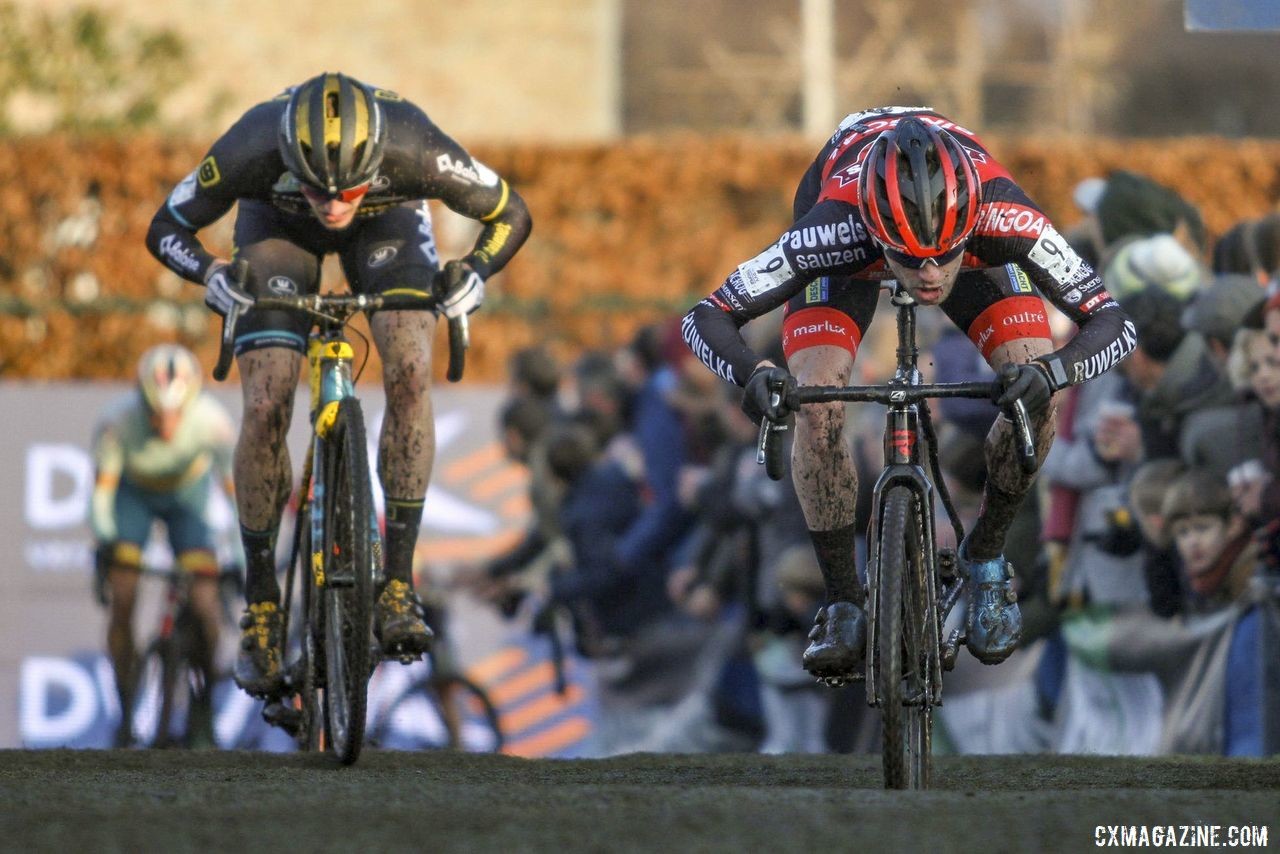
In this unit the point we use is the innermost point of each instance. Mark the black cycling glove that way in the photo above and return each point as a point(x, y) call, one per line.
point(1030, 382)
point(764, 382)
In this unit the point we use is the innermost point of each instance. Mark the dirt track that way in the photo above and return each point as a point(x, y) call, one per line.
point(174, 801)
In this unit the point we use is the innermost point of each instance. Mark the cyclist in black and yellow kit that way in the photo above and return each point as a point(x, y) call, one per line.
point(334, 166)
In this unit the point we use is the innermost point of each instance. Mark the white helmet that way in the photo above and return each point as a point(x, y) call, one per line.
point(168, 377)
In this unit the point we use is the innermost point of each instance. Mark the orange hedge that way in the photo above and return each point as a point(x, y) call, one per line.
point(623, 234)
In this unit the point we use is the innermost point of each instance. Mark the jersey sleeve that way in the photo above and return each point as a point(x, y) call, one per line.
point(242, 163)
point(1012, 229)
point(828, 240)
point(108, 462)
point(470, 188)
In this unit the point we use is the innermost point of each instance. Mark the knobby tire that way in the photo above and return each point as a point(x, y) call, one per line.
point(150, 702)
point(901, 641)
point(311, 697)
point(347, 609)
point(163, 694)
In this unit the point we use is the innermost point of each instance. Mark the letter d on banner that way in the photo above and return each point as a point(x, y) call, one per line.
point(47, 505)
point(57, 701)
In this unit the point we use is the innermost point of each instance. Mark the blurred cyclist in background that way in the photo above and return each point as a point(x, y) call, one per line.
point(335, 166)
point(157, 451)
point(904, 193)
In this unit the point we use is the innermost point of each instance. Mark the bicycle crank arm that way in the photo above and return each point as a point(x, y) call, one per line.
point(285, 717)
point(340, 579)
point(951, 648)
point(401, 653)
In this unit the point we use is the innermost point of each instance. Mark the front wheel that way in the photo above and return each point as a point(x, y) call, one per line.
point(901, 642)
point(347, 617)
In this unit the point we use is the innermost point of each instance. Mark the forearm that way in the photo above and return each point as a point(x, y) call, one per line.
point(591, 576)
point(102, 510)
point(656, 529)
point(501, 237)
point(178, 248)
point(1104, 340)
point(712, 334)
point(519, 557)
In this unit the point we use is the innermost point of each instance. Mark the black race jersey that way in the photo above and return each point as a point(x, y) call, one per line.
point(421, 162)
point(828, 238)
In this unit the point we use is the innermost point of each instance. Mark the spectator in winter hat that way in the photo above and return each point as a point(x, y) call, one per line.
point(1219, 310)
point(1159, 260)
point(1134, 205)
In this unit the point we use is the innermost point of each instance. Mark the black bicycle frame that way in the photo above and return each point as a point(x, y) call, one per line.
point(907, 416)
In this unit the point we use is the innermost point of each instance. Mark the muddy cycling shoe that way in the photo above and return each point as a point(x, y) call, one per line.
point(399, 623)
point(994, 622)
point(258, 663)
point(839, 643)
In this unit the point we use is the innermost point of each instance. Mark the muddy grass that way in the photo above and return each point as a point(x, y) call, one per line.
point(174, 801)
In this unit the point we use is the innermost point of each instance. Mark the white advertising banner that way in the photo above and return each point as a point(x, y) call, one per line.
point(56, 686)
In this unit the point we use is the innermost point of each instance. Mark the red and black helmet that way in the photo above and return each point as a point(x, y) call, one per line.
point(918, 190)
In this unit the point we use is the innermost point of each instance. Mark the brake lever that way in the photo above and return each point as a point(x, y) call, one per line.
point(769, 446)
point(226, 345)
point(1026, 440)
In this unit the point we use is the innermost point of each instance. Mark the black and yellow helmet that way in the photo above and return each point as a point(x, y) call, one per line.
point(333, 133)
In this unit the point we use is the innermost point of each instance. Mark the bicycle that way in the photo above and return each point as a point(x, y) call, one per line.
point(446, 710)
point(912, 585)
point(337, 548)
point(169, 687)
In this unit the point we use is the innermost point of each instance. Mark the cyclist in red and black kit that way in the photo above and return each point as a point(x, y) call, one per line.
point(904, 193)
point(334, 166)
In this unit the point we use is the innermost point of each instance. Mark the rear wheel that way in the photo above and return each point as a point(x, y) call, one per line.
point(444, 713)
point(163, 695)
point(346, 611)
point(902, 643)
point(310, 697)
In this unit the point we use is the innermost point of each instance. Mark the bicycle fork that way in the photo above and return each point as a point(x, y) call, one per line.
point(330, 384)
point(902, 467)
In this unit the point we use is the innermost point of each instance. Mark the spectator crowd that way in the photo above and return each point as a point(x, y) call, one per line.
point(1148, 560)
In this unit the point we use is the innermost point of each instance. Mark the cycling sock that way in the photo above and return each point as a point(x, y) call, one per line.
point(260, 584)
point(404, 516)
point(835, 552)
point(986, 540)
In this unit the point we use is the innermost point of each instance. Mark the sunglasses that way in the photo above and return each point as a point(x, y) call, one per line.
point(913, 263)
point(319, 197)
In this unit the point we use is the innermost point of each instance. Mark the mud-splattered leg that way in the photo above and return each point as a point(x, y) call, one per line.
point(1007, 484)
point(407, 446)
point(263, 471)
point(824, 475)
